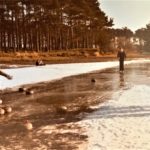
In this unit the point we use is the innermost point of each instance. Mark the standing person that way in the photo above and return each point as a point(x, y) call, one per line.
point(121, 55)
point(5, 75)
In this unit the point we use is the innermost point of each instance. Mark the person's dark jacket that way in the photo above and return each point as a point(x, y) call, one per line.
point(121, 55)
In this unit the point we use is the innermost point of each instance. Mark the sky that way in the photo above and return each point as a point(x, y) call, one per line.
point(134, 14)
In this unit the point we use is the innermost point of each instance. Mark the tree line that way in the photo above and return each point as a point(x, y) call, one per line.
point(45, 25)
point(144, 38)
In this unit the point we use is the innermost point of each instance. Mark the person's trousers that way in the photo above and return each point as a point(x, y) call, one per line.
point(121, 65)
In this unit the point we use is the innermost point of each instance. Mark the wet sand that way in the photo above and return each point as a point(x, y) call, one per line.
point(53, 126)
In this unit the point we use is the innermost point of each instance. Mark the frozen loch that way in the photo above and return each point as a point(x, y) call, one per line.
point(123, 122)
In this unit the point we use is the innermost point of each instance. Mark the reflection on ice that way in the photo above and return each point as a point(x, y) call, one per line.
point(122, 83)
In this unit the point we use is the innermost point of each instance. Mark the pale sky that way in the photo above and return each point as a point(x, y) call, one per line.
point(133, 14)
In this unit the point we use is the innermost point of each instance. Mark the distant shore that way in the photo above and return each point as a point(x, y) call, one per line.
point(56, 57)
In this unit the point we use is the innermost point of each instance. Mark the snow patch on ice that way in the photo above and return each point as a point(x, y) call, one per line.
point(122, 123)
point(36, 74)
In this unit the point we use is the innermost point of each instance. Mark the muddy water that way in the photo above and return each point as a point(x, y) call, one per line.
point(53, 126)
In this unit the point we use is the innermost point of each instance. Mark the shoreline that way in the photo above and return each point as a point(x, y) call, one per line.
point(29, 58)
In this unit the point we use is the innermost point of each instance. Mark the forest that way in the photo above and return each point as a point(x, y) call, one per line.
point(46, 25)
